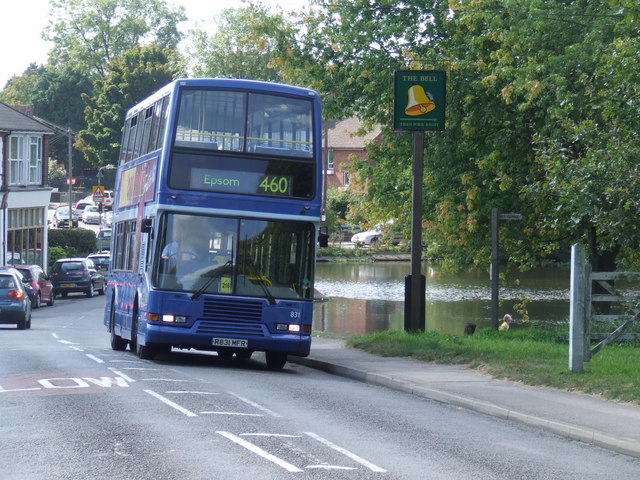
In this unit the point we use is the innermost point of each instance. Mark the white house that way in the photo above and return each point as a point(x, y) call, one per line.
point(24, 193)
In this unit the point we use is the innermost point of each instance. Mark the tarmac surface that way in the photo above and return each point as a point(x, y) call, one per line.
point(580, 417)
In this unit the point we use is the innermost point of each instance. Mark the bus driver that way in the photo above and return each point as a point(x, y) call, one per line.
point(190, 256)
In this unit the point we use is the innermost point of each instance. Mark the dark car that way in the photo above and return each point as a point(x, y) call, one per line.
point(15, 306)
point(40, 282)
point(60, 218)
point(101, 261)
point(70, 275)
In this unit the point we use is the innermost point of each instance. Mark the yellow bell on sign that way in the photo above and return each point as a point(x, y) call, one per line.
point(419, 102)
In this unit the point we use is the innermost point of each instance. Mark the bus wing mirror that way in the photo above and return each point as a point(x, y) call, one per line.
point(147, 225)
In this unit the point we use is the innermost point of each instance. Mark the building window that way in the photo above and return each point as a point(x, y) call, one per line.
point(25, 236)
point(330, 161)
point(25, 160)
point(345, 179)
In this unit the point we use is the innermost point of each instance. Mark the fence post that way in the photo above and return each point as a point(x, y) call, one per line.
point(577, 309)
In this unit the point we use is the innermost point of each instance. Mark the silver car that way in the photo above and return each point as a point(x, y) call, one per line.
point(15, 305)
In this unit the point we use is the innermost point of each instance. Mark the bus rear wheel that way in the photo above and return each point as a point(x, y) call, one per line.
point(275, 360)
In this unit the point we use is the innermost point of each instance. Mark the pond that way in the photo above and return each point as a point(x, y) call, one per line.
point(366, 298)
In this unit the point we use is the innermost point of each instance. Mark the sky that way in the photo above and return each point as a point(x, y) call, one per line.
point(22, 22)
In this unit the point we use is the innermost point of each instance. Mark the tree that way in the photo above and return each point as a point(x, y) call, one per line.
point(20, 89)
point(89, 33)
point(241, 46)
point(521, 97)
point(129, 79)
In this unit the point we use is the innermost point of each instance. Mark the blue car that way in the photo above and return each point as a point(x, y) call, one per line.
point(15, 306)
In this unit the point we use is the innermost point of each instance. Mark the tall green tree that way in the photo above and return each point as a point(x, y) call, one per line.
point(527, 87)
point(89, 33)
point(129, 79)
point(241, 45)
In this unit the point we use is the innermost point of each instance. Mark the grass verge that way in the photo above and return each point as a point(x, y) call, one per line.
point(531, 356)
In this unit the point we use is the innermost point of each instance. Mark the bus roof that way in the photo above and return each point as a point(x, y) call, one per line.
point(223, 82)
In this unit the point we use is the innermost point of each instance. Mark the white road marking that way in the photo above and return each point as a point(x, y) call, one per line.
point(256, 405)
point(277, 435)
point(329, 467)
point(168, 402)
point(77, 349)
point(233, 413)
point(193, 392)
point(94, 358)
point(126, 377)
point(351, 455)
point(258, 451)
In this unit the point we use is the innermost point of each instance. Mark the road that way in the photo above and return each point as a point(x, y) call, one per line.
point(71, 408)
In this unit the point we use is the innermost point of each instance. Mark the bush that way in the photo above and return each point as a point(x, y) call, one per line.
point(76, 242)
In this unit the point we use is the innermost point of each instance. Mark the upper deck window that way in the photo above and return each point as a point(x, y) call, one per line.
point(245, 122)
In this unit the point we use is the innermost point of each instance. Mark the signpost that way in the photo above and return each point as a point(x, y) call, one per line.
point(419, 106)
point(496, 217)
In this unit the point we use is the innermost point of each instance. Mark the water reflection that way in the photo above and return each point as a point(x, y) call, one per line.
point(365, 298)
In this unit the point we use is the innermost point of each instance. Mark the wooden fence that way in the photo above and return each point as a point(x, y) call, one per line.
point(584, 307)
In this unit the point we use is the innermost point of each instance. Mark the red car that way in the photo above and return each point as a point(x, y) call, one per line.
point(40, 282)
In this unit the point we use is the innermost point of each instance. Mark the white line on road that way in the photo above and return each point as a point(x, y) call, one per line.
point(126, 377)
point(233, 413)
point(351, 455)
point(94, 358)
point(192, 392)
point(166, 401)
point(258, 451)
point(256, 405)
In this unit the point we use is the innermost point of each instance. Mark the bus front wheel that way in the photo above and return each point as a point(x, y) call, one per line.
point(275, 360)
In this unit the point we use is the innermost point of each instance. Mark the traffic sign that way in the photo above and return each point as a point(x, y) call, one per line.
point(98, 194)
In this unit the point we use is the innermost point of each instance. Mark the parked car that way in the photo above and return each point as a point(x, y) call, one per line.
point(377, 233)
point(91, 214)
point(101, 261)
point(81, 205)
point(104, 239)
point(61, 218)
point(76, 275)
point(15, 306)
point(31, 293)
point(40, 282)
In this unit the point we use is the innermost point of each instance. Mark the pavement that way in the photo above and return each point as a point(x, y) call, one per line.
point(585, 418)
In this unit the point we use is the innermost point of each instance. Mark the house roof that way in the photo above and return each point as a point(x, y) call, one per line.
point(344, 134)
point(11, 120)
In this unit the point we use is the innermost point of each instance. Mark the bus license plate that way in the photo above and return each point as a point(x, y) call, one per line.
point(229, 342)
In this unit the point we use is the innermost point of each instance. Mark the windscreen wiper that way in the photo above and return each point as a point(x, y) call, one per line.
point(216, 273)
point(260, 279)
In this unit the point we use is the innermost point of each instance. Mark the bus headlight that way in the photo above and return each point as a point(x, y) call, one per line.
point(288, 327)
point(169, 318)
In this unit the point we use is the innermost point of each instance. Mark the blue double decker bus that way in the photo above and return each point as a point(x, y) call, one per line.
point(215, 221)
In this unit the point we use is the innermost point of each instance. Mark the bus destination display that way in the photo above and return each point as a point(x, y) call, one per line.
point(241, 182)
